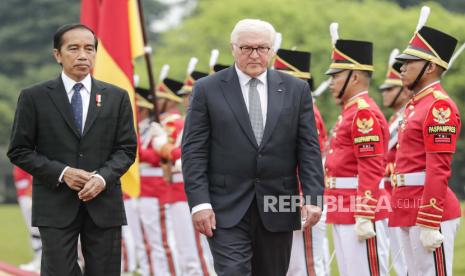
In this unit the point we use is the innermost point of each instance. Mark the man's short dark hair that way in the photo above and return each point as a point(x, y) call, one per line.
point(58, 36)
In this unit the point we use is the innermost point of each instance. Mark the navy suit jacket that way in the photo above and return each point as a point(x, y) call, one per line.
point(45, 139)
point(224, 166)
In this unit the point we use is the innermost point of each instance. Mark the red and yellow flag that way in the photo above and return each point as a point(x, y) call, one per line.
point(117, 25)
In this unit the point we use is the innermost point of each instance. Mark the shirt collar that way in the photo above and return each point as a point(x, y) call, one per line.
point(244, 78)
point(426, 87)
point(69, 83)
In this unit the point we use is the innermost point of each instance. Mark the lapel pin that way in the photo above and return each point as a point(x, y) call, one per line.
point(98, 100)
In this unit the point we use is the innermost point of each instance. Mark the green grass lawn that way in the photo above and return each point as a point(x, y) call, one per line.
point(15, 249)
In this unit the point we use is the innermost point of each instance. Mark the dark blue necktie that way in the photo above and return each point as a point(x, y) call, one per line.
point(76, 104)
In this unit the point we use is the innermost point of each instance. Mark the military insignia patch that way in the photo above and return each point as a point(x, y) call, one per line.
point(441, 127)
point(441, 115)
point(365, 125)
point(367, 134)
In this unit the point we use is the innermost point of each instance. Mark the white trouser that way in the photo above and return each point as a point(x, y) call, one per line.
point(25, 204)
point(352, 254)
point(313, 258)
point(161, 257)
point(397, 254)
point(189, 252)
point(420, 262)
point(134, 240)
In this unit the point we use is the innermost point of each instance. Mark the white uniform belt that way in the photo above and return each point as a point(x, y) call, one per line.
point(177, 178)
point(408, 179)
point(151, 172)
point(346, 183)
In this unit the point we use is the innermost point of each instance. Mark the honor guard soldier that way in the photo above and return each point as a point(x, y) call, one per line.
point(153, 195)
point(424, 207)
point(307, 255)
point(355, 163)
point(395, 97)
point(193, 255)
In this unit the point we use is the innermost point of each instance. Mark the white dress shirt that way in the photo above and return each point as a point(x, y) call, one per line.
point(262, 88)
point(85, 95)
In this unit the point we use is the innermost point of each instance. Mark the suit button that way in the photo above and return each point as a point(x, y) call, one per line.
point(260, 156)
point(81, 155)
point(257, 180)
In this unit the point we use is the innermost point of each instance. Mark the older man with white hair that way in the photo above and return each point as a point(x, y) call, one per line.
point(249, 137)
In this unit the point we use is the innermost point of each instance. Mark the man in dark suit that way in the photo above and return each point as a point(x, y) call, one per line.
point(249, 137)
point(75, 135)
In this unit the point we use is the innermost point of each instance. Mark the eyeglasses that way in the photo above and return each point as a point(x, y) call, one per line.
point(247, 50)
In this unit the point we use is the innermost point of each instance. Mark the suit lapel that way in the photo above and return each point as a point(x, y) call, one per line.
point(276, 94)
point(93, 110)
point(233, 95)
point(59, 97)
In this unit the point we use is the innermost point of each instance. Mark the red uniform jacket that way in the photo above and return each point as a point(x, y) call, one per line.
point(320, 125)
point(23, 182)
point(358, 149)
point(427, 140)
point(151, 175)
point(172, 151)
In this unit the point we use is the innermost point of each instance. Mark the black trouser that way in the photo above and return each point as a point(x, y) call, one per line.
point(101, 248)
point(249, 249)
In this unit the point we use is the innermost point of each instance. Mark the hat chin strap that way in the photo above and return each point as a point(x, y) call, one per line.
point(343, 89)
point(420, 75)
point(396, 97)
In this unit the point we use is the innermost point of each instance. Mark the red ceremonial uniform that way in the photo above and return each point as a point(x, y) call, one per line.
point(151, 174)
point(355, 163)
point(427, 139)
point(174, 126)
point(320, 126)
point(394, 123)
point(23, 182)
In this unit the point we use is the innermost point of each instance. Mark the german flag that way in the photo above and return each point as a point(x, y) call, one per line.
point(117, 25)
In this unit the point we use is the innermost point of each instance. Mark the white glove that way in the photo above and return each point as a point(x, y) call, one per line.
point(159, 135)
point(430, 238)
point(178, 165)
point(364, 228)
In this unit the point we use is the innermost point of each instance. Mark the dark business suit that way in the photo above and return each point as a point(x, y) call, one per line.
point(45, 140)
point(224, 166)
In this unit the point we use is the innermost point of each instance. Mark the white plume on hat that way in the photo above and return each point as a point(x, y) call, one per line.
point(392, 58)
point(163, 72)
point(213, 57)
point(321, 88)
point(424, 13)
point(333, 32)
point(192, 63)
point(277, 41)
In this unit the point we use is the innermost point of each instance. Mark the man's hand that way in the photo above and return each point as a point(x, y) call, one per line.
point(311, 214)
point(430, 238)
point(76, 178)
point(204, 222)
point(91, 189)
point(160, 137)
point(364, 228)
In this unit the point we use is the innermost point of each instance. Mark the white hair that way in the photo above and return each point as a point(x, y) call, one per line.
point(253, 26)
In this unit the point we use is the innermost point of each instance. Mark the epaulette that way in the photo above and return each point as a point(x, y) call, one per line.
point(439, 95)
point(362, 104)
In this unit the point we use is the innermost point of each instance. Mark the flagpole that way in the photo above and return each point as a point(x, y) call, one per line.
point(148, 62)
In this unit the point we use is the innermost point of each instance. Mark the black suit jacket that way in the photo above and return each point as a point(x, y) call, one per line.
point(44, 140)
point(224, 166)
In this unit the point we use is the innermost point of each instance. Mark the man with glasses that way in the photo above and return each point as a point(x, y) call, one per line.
point(249, 134)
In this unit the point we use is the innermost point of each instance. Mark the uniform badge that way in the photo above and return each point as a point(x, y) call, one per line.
point(441, 115)
point(365, 125)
